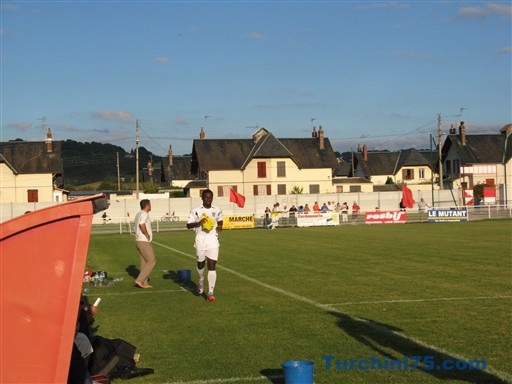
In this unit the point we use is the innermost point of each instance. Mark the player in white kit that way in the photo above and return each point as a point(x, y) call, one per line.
point(206, 219)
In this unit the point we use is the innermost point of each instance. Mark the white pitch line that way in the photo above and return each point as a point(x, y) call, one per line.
point(380, 328)
point(230, 380)
point(418, 300)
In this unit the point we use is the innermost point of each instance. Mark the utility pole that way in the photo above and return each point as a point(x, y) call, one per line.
point(137, 159)
point(440, 152)
point(118, 174)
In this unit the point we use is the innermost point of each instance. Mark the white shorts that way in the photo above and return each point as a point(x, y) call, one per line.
point(211, 253)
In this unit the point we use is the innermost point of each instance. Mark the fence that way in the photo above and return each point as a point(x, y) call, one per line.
point(164, 210)
point(123, 225)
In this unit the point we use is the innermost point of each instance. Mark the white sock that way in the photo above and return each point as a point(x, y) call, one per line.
point(212, 278)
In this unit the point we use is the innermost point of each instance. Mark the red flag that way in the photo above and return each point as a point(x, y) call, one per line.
point(236, 198)
point(407, 199)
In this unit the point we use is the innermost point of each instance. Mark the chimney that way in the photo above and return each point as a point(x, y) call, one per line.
point(150, 169)
point(462, 133)
point(170, 155)
point(321, 137)
point(49, 147)
point(313, 134)
point(202, 134)
point(365, 153)
point(453, 131)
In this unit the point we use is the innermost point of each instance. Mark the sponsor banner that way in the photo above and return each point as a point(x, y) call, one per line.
point(447, 215)
point(317, 219)
point(385, 217)
point(234, 222)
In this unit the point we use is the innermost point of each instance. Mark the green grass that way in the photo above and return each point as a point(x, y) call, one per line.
point(388, 291)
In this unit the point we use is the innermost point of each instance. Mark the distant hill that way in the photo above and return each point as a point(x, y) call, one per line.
point(86, 163)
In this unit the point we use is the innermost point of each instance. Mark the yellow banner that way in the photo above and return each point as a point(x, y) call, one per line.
point(234, 222)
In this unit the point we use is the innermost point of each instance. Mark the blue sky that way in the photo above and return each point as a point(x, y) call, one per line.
point(375, 73)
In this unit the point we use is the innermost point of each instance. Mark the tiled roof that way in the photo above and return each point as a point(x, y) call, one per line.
point(229, 154)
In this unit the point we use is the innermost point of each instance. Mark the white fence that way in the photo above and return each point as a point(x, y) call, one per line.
point(122, 211)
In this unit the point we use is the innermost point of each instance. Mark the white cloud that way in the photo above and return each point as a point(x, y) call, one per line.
point(162, 60)
point(490, 9)
point(506, 49)
point(181, 121)
point(383, 5)
point(70, 128)
point(412, 55)
point(255, 36)
point(20, 126)
point(8, 6)
point(113, 115)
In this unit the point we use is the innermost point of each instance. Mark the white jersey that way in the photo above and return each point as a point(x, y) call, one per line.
point(205, 238)
point(142, 217)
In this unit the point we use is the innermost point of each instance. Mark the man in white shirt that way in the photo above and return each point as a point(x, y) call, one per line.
point(207, 221)
point(143, 238)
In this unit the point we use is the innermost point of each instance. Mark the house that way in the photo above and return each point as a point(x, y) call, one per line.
point(343, 180)
point(168, 171)
point(264, 165)
point(409, 166)
point(473, 159)
point(31, 171)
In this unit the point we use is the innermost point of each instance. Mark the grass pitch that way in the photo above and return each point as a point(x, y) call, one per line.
point(441, 292)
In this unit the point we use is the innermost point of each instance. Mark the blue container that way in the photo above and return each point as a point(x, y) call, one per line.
point(298, 372)
point(184, 276)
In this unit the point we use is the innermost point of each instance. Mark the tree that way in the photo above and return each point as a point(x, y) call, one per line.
point(296, 190)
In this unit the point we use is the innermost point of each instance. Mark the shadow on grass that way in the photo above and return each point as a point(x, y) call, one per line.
point(273, 375)
point(173, 275)
point(382, 338)
point(133, 271)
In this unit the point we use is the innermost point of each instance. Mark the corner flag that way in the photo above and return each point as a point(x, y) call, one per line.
point(237, 198)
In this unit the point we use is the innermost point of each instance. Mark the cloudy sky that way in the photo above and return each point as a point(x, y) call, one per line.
point(376, 72)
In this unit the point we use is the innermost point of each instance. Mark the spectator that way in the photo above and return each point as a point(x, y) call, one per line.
point(307, 209)
point(316, 207)
point(293, 210)
point(266, 220)
point(355, 212)
point(275, 216)
point(324, 208)
point(344, 212)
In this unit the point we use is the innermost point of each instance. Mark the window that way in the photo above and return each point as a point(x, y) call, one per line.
point(339, 189)
point(421, 173)
point(314, 188)
point(456, 166)
point(281, 189)
point(33, 195)
point(408, 174)
point(448, 167)
point(261, 190)
point(262, 169)
point(281, 169)
point(223, 190)
point(355, 188)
